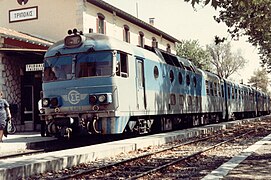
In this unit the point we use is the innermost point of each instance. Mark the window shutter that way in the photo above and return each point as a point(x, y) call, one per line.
point(104, 27)
point(97, 25)
point(123, 34)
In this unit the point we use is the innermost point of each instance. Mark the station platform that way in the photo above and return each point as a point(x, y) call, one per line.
point(21, 141)
point(252, 163)
point(22, 167)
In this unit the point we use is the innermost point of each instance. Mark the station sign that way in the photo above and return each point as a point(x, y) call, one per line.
point(23, 14)
point(34, 67)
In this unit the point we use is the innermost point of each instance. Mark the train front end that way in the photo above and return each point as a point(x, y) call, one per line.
point(79, 95)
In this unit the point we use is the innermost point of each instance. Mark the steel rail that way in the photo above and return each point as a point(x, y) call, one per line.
point(107, 166)
point(187, 157)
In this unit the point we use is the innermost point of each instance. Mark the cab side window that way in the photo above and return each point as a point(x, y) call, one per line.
point(122, 65)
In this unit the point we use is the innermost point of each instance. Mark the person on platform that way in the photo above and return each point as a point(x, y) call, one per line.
point(4, 115)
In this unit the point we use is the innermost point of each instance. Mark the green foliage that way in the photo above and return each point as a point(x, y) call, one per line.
point(246, 17)
point(260, 80)
point(224, 60)
point(191, 50)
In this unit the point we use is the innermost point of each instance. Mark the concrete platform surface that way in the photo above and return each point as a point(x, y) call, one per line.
point(253, 163)
point(25, 166)
point(21, 141)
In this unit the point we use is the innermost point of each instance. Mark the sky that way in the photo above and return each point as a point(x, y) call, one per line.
point(180, 20)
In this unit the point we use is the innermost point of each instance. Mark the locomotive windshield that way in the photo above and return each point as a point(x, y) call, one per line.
point(65, 67)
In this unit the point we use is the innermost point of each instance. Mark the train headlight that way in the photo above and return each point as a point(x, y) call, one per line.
point(92, 99)
point(102, 98)
point(54, 102)
point(45, 102)
point(73, 41)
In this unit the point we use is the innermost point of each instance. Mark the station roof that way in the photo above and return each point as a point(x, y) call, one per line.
point(132, 19)
point(19, 41)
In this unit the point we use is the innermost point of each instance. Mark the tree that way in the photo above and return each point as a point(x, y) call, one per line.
point(191, 50)
point(246, 17)
point(260, 80)
point(225, 62)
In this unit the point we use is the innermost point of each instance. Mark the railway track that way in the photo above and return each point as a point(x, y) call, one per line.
point(158, 162)
point(149, 163)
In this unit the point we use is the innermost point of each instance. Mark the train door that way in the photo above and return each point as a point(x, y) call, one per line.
point(141, 94)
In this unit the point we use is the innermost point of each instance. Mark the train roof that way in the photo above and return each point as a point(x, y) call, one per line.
point(100, 42)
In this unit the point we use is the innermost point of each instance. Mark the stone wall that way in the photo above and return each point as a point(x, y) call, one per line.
point(10, 81)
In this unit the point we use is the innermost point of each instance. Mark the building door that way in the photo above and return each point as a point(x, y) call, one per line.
point(31, 87)
point(28, 107)
point(141, 95)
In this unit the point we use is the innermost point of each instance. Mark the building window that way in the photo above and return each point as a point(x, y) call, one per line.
point(154, 42)
point(168, 48)
point(101, 23)
point(126, 34)
point(141, 39)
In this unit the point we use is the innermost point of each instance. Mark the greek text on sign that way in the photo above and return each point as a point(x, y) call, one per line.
point(34, 67)
point(23, 14)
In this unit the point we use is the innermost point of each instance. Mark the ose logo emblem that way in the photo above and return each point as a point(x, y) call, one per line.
point(74, 97)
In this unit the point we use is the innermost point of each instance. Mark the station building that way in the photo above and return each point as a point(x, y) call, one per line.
point(29, 27)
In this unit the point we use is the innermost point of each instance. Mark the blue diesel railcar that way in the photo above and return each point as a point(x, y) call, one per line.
point(97, 84)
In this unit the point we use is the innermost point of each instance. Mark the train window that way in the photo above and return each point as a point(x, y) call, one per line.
point(219, 90)
point(207, 87)
point(155, 72)
point(172, 99)
point(233, 95)
point(122, 66)
point(140, 74)
point(211, 89)
point(187, 80)
point(215, 88)
point(229, 92)
point(171, 76)
point(222, 90)
point(195, 81)
point(197, 102)
point(101, 23)
point(181, 102)
point(189, 102)
point(94, 64)
point(180, 78)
